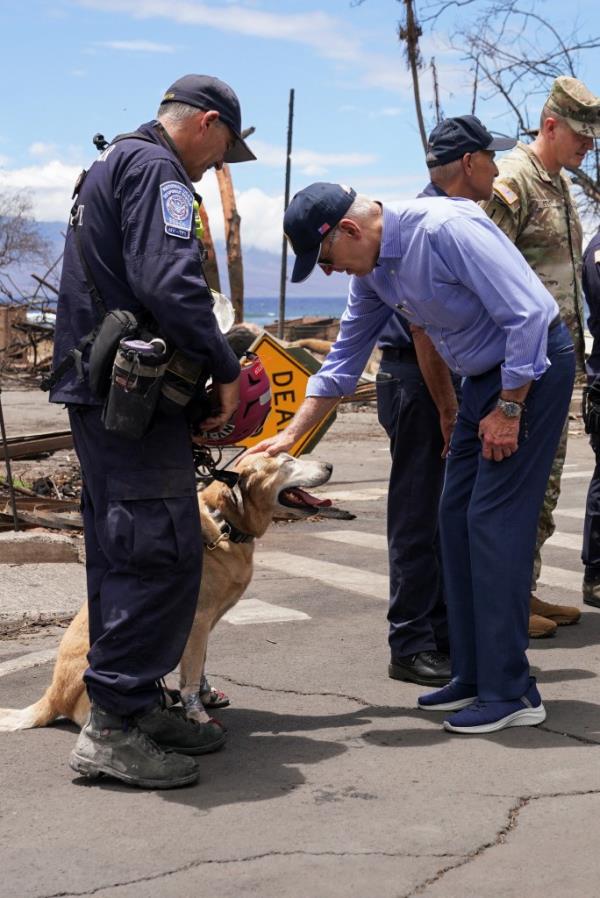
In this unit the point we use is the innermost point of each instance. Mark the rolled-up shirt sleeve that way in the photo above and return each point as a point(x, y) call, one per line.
point(485, 261)
point(165, 272)
point(360, 325)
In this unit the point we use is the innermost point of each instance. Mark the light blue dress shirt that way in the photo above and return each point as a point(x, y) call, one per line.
point(446, 267)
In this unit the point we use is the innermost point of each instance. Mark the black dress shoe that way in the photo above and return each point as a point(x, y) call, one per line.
point(424, 668)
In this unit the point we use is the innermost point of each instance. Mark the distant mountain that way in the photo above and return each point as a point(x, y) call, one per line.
point(261, 270)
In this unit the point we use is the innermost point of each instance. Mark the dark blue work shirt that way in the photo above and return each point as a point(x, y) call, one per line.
point(396, 334)
point(591, 287)
point(138, 239)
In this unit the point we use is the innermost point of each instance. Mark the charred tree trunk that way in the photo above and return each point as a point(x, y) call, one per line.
point(233, 242)
point(211, 269)
point(410, 34)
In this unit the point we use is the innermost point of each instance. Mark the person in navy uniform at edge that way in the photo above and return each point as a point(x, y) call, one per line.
point(591, 530)
point(460, 158)
point(471, 296)
point(140, 510)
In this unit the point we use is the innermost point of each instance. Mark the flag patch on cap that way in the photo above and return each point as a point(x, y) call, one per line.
point(324, 228)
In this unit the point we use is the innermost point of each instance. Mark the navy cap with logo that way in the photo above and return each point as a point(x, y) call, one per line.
point(454, 137)
point(311, 215)
point(206, 92)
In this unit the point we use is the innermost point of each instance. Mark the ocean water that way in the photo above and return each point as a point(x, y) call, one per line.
point(266, 310)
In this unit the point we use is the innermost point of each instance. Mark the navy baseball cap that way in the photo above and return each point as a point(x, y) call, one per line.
point(312, 213)
point(454, 137)
point(206, 92)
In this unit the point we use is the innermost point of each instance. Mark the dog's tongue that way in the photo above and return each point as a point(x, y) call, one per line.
point(301, 497)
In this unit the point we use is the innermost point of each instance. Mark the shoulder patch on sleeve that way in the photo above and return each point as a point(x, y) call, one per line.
point(177, 204)
point(504, 193)
point(597, 256)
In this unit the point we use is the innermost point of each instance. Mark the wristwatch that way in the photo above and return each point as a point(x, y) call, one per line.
point(511, 409)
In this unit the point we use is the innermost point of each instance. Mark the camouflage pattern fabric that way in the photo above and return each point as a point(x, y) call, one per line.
point(546, 525)
point(579, 107)
point(536, 212)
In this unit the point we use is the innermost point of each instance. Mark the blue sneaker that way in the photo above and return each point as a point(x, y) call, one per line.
point(452, 697)
point(489, 717)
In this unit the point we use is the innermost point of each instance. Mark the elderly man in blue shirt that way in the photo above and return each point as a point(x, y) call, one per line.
point(470, 295)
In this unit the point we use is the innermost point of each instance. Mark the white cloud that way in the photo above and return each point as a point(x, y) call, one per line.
point(48, 185)
point(137, 46)
point(260, 212)
point(309, 162)
point(39, 149)
point(316, 29)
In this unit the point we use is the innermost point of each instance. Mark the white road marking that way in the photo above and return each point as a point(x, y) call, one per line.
point(577, 513)
point(340, 576)
point(355, 538)
point(565, 540)
point(370, 494)
point(33, 659)
point(558, 576)
point(253, 611)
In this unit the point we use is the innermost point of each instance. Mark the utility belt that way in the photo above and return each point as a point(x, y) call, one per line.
point(590, 407)
point(130, 367)
point(399, 354)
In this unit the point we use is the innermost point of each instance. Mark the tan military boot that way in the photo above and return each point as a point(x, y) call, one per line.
point(541, 627)
point(559, 614)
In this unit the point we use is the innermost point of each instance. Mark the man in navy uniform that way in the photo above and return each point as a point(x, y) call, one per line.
point(471, 297)
point(134, 223)
point(591, 530)
point(460, 158)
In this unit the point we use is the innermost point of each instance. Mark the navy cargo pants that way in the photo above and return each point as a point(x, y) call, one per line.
point(488, 525)
point(417, 611)
point(591, 529)
point(143, 555)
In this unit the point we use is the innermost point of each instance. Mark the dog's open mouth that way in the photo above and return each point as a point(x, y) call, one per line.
point(296, 497)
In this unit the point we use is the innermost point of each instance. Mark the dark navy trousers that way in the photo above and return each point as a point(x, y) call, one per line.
point(143, 555)
point(590, 554)
point(417, 611)
point(488, 524)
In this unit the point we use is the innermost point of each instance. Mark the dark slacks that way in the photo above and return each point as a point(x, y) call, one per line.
point(488, 521)
point(590, 554)
point(144, 555)
point(417, 612)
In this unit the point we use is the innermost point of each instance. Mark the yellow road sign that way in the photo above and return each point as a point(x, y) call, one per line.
point(288, 378)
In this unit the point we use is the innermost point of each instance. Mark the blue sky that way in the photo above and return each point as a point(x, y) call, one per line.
point(75, 67)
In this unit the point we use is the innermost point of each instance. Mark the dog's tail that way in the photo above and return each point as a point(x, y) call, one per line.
point(39, 714)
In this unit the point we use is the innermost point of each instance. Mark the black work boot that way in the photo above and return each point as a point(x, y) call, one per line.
point(172, 731)
point(115, 746)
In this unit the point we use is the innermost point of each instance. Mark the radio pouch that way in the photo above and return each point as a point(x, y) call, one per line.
point(117, 325)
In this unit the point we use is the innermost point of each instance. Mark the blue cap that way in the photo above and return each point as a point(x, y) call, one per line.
point(454, 137)
point(311, 215)
point(207, 93)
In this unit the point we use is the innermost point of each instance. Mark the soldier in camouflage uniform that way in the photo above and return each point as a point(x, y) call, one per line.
point(533, 205)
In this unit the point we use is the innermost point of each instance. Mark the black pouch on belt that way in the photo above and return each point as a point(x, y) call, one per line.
point(590, 410)
point(116, 325)
point(135, 384)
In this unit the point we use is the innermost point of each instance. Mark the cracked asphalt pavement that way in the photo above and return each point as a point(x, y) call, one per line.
point(332, 784)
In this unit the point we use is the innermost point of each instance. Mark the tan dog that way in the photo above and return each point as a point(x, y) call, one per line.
point(265, 485)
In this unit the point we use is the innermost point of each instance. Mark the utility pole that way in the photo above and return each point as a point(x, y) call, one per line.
point(288, 168)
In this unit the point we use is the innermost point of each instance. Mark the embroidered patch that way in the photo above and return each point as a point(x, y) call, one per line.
point(505, 194)
point(177, 209)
